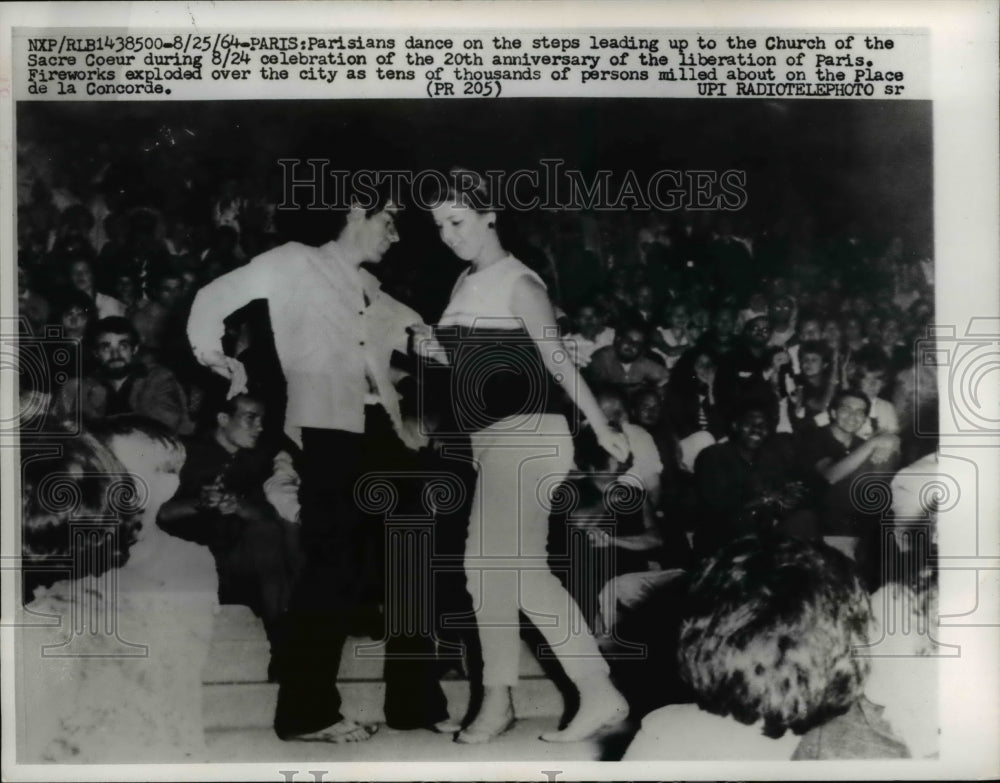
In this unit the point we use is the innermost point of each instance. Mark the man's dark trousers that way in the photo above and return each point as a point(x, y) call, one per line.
point(335, 534)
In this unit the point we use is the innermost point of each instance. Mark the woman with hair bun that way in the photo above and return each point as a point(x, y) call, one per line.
point(510, 378)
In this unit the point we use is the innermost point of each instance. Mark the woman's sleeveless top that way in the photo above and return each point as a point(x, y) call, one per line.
point(497, 369)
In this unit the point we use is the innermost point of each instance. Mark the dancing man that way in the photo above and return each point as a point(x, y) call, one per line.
point(335, 331)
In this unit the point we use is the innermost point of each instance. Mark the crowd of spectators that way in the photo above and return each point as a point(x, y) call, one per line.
point(764, 381)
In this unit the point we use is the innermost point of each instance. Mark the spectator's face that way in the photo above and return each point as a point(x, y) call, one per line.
point(781, 312)
point(647, 410)
point(810, 329)
point(75, 320)
point(169, 291)
point(752, 430)
point(873, 329)
point(890, 332)
point(613, 410)
point(758, 303)
point(758, 332)
point(588, 321)
point(831, 333)
point(852, 330)
point(862, 306)
point(850, 414)
point(125, 289)
point(812, 365)
point(629, 345)
point(242, 428)
point(704, 369)
point(114, 353)
point(678, 318)
point(644, 298)
point(81, 276)
point(871, 384)
point(725, 322)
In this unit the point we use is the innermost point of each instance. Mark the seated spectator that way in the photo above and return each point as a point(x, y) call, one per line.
point(690, 399)
point(646, 465)
point(590, 334)
point(671, 340)
point(34, 308)
point(126, 290)
point(623, 364)
point(809, 328)
point(869, 375)
point(750, 484)
point(128, 686)
point(842, 461)
point(74, 311)
point(646, 411)
point(767, 643)
point(81, 277)
point(221, 503)
point(814, 387)
point(782, 315)
point(890, 340)
point(756, 307)
point(749, 371)
point(698, 323)
point(120, 384)
point(720, 338)
point(151, 317)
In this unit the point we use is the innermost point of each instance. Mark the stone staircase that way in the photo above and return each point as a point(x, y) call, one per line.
point(239, 705)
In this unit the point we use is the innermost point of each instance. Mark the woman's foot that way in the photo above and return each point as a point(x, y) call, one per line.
point(342, 731)
point(496, 715)
point(601, 707)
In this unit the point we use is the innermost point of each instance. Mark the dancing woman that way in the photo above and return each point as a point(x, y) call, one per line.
point(499, 334)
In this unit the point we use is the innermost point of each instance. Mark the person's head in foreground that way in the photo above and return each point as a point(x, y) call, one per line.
point(80, 513)
point(769, 634)
point(152, 456)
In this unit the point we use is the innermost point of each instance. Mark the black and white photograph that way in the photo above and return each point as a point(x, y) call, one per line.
point(552, 430)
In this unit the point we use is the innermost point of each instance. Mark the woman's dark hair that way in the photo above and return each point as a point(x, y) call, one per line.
point(68, 298)
point(80, 510)
point(770, 631)
point(459, 186)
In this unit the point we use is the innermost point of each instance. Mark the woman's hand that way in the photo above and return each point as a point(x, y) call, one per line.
point(615, 443)
point(425, 344)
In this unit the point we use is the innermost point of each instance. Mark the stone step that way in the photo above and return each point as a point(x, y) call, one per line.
point(521, 743)
point(236, 705)
point(240, 652)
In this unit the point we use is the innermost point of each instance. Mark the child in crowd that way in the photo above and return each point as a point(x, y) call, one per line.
point(672, 340)
point(591, 333)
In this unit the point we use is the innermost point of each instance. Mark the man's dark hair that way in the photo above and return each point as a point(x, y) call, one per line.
point(231, 405)
point(817, 347)
point(298, 219)
point(113, 324)
point(756, 404)
point(843, 394)
point(631, 322)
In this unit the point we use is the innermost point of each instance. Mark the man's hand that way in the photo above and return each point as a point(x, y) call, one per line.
point(884, 446)
point(229, 368)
